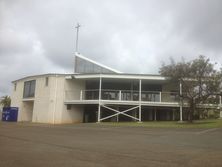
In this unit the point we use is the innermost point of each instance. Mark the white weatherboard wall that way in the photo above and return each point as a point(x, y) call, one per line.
point(57, 109)
point(48, 104)
point(55, 95)
point(27, 111)
point(75, 114)
point(37, 106)
point(41, 101)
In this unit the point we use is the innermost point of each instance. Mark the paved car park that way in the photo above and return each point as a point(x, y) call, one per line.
point(98, 145)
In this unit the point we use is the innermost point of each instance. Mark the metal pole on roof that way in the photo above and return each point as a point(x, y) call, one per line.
point(77, 36)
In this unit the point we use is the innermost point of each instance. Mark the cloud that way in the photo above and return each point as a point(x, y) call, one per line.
point(39, 36)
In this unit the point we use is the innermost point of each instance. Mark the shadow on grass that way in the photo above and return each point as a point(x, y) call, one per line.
point(199, 122)
point(204, 122)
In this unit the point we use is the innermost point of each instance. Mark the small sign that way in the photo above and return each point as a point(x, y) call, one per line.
point(10, 114)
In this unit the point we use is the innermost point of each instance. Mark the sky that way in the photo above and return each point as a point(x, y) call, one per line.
point(132, 36)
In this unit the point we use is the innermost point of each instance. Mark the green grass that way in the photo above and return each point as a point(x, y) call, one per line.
point(210, 123)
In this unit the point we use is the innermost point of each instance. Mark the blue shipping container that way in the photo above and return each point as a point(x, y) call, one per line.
point(10, 114)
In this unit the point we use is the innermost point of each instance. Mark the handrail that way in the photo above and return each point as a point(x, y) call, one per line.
point(117, 90)
point(125, 95)
point(121, 95)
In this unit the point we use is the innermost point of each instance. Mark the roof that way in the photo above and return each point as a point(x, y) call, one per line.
point(115, 75)
point(40, 75)
point(98, 75)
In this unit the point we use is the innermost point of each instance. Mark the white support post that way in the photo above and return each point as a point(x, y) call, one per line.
point(100, 86)
point(220, 107)
point(80, 94)
point(140, 116)
point(160, 96)
point(140, 113)
point(181, 107)
point(99, 106)
point(99, 113)
point(120, 94)
point(117, 117)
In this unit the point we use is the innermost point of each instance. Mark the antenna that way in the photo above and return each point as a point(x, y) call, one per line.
point(77, 36)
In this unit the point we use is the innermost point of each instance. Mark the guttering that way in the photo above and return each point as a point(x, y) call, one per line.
point(118, 76)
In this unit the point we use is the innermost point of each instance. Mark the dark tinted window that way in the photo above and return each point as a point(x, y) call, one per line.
point(29, 89)
point(68, 107)
point(84, 66)
point(15, 86)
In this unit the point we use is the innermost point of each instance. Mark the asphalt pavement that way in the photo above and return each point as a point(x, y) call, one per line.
point(98, 145)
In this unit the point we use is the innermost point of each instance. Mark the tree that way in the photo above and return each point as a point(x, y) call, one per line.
point(199, 78)
point(6, 101)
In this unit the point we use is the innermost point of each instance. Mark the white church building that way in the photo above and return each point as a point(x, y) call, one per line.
point(96, 93)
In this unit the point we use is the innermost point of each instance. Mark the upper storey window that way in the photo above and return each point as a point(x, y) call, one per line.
point(85, 65)
point(29, 89)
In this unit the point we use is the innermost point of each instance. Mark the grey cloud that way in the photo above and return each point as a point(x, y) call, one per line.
point(201, 22)
point(39, 36)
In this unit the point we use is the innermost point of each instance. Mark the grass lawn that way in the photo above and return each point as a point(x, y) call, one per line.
point(210, 123)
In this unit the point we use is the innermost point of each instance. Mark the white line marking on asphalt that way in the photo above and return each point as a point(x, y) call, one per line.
point(206, 131)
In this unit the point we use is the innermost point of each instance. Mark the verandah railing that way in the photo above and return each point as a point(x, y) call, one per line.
point(122, 95)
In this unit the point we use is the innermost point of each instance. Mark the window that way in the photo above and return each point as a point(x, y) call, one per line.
point(46, 81)
point(15, 86)
point(29, 89)
point(174, 95)
point(85, 66)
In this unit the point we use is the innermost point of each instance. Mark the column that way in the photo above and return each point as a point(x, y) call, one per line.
point(181, 103)
point(117, 117)
point(120, 95)
point(99, 106)
point(140, 116)
point(220, 108)
point(81, 95)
